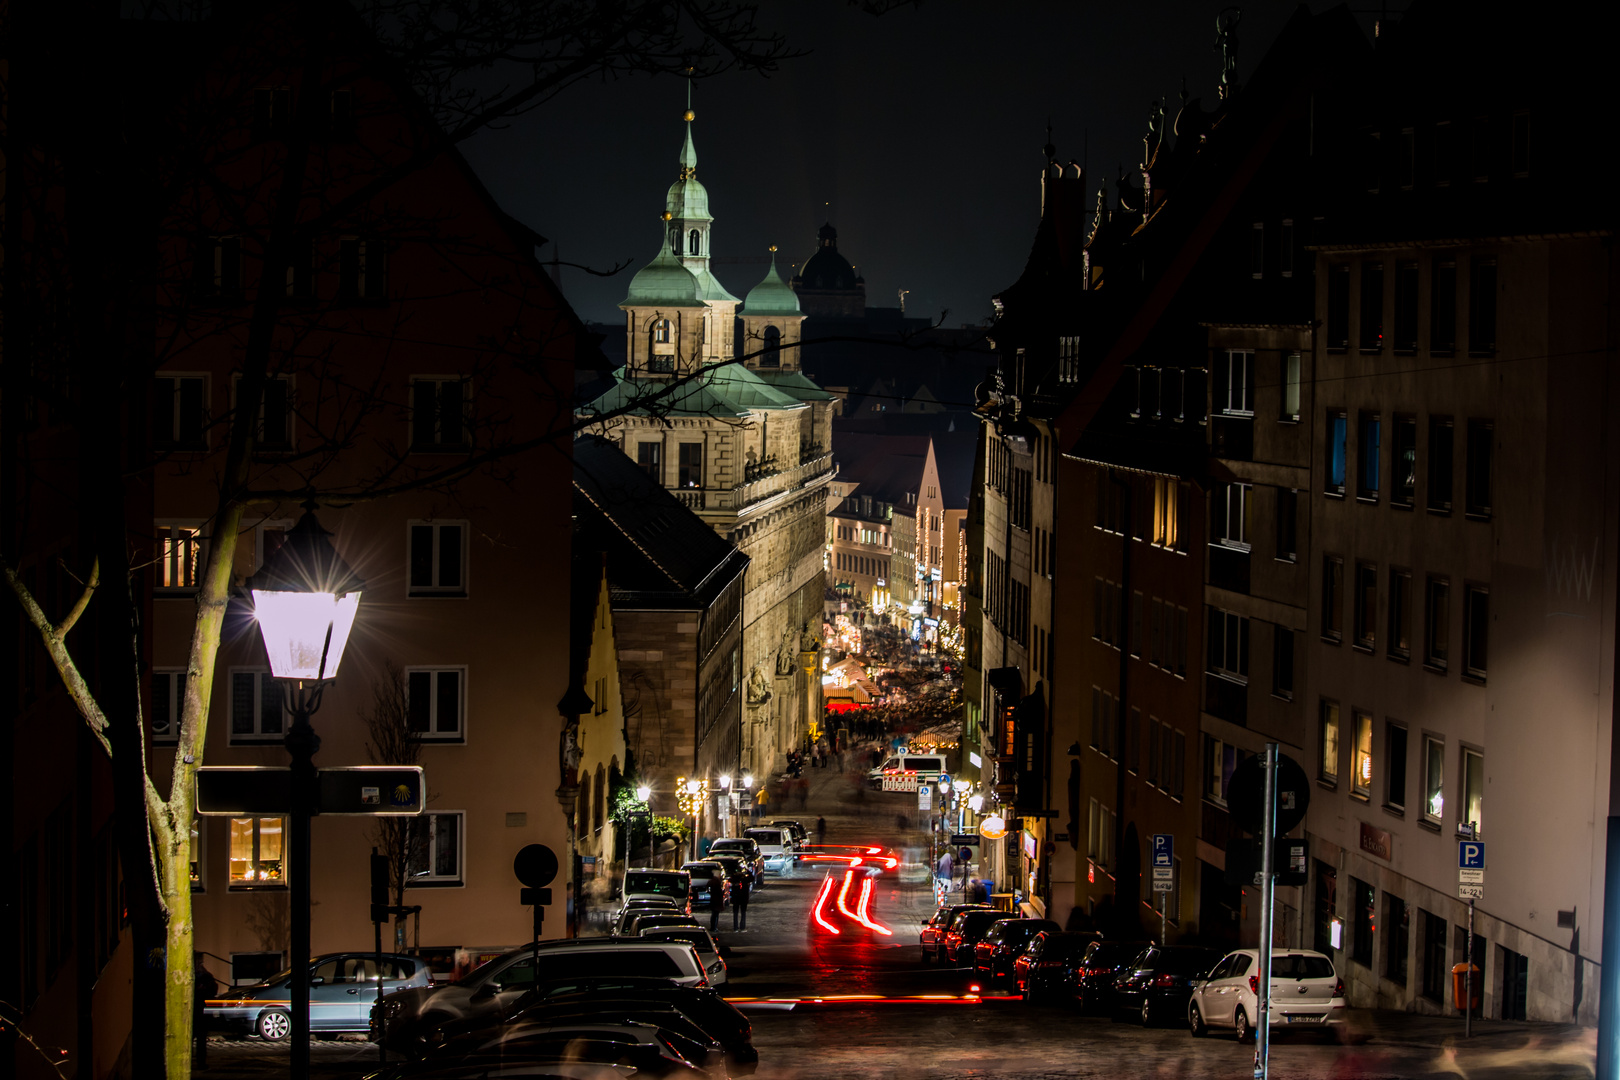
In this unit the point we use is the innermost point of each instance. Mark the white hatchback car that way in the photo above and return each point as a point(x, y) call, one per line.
point(1305, 991)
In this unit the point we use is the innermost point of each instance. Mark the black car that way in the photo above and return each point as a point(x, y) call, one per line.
point(1003, 944)
point(706, 1008)
point(1091, 981)
point(653, 1051)
point(1046, 966)
point(1159, 982)
point(932, 934)
point(966, 931)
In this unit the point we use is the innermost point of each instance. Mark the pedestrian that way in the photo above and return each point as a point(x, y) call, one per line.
point(944, 870)
point(717, 900)
point(821, 830)
point(739, 901)
point(761, 800)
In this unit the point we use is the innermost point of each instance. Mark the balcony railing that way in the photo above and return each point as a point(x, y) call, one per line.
point(755, 490)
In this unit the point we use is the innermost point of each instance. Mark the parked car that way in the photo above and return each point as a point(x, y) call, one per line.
point(704, 1005)
point(403, 1020)
point(700, 939)
point(1043, 970)
point(652, 920)
point(1092, 980)
point(796, 830)
point(1305, 991)
point(342, 991)
point(662, 906)
point(652, 884)
point(926, 768)
point(748, 848)
point(650, 1049)
point(966, 931)
point(944, 951)
point(1159, 982)
point(685, 1036)
point(931, 931)
point(703, 873)
point(776, 845)
point(1004, 943)
point(737, 870)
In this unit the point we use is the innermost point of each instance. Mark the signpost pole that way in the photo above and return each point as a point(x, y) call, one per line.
point(1268, 854)
point(376, 926)
point(1468, 975)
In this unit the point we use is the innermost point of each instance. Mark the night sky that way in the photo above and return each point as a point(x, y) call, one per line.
point(918, 131)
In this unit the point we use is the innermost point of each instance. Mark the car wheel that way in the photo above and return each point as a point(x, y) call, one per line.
point(274, 1025)
point(1148, 1016)
point(1195, 1021)
point(1240, 1023)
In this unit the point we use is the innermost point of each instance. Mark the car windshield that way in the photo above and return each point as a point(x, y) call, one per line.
point(1298, 966)
point(743, 846)
point(1185, 961)
point(767, 837)
point(663, 884)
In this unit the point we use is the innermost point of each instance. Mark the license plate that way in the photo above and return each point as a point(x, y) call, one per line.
point(1301, 1018)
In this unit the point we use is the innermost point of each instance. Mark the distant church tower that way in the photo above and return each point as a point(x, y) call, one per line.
point(828, 286)
point(771, 324)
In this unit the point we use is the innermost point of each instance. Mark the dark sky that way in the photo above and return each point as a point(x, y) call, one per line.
point(920, 130)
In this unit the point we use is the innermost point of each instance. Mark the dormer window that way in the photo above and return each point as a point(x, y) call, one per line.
point(694, 243)
point(661, 332)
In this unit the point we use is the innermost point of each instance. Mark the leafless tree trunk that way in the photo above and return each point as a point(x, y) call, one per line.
point(390, 740)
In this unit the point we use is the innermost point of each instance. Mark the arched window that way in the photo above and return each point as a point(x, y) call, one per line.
point(694, 243)
point(661, 332)
point(772, 355)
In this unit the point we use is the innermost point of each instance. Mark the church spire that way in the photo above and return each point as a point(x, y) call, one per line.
point(688, 152)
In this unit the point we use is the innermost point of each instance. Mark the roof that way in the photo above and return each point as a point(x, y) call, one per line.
point(659, 553)
point(794, 383)
point(664, 282)
point(725, 389)
point(772, 296)
point(887, 467)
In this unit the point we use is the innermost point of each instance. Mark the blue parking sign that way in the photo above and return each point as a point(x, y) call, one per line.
point(1164, 846)
point(1470, 854)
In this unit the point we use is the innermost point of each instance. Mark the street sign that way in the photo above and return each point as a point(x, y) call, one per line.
point(353, 791)
point(372, 790)
point(1470, 892)
point(1471, 877)
point(535, 865)
point(925, 796)
point(1164, 847)
point(958, 839)
point(1471, 855)
point(1246, 794)
point(1161, 884)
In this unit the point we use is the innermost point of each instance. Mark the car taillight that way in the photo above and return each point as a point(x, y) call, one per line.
point(1164, 980)
point(1338, 988)
point(1254, 985)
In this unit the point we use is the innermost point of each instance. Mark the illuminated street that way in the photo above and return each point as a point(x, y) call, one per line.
point(811, 1029)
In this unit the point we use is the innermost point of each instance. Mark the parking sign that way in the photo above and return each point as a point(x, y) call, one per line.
point(1470, 854)
point(1164, 846)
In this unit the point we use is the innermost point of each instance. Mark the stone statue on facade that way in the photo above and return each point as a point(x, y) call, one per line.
point(759, 690)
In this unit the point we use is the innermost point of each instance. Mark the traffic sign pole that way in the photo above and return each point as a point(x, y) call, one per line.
point(1268, 894)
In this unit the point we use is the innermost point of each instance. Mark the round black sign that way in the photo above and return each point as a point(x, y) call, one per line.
point(1246, 794)
point(535, 866)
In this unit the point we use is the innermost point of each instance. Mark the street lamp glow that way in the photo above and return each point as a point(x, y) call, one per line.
point(305, 598)
point(961, 786)
point(748, 781)
point(975, 802)
point(643, 793)
point(694, 786)
point(725, 782)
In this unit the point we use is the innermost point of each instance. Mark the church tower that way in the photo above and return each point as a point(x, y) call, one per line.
point(690, 238)
point(771, 322)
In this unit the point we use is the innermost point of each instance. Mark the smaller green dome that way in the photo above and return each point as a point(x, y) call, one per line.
point(772, 295)
point(664, 281)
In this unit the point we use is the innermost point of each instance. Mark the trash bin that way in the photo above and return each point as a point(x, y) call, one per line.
point(1460, 989)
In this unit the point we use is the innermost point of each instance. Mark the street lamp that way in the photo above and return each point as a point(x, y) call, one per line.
point(643, 793)
point(305, 598)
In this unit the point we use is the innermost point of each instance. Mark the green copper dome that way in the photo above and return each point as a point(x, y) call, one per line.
point(772, 295)
point(664, 282)
point(688, 198)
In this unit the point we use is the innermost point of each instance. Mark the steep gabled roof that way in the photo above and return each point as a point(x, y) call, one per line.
point(887, 467)
point(660, 554)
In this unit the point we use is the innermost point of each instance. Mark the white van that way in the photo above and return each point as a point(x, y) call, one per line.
point(921, 768)
point(777, 847)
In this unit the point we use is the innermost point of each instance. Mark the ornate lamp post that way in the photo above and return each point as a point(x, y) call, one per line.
point(305, 598)
point(643, 793)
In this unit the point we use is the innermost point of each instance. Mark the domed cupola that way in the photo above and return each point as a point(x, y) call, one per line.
point(771, 324)
point(771, 296)
point(664, 282)
point(827, 285)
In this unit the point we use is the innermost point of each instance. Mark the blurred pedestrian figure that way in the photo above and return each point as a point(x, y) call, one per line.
point(943, 870)
point(717, 900)
point(803, 787)
point(739, 901)
point(762, 800)
point(821, 830)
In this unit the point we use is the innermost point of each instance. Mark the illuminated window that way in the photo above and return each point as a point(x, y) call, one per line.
point(1165, 496)
point(1290, 386)
point(195, 851)
point(1434, 779)
point(1473, 791)
point(1361, 778)
point(690, 472)
point(1328, 762)
point(179, 557)
point(1337, 434)
point(257, 852)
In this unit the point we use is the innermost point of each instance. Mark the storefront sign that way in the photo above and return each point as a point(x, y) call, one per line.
point(1376, 842)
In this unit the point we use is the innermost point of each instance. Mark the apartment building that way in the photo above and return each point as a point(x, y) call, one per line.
point(1461, 627)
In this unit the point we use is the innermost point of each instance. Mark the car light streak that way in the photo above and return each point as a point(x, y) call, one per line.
point(860, 910)
point(843, 895)
point(821, 902)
